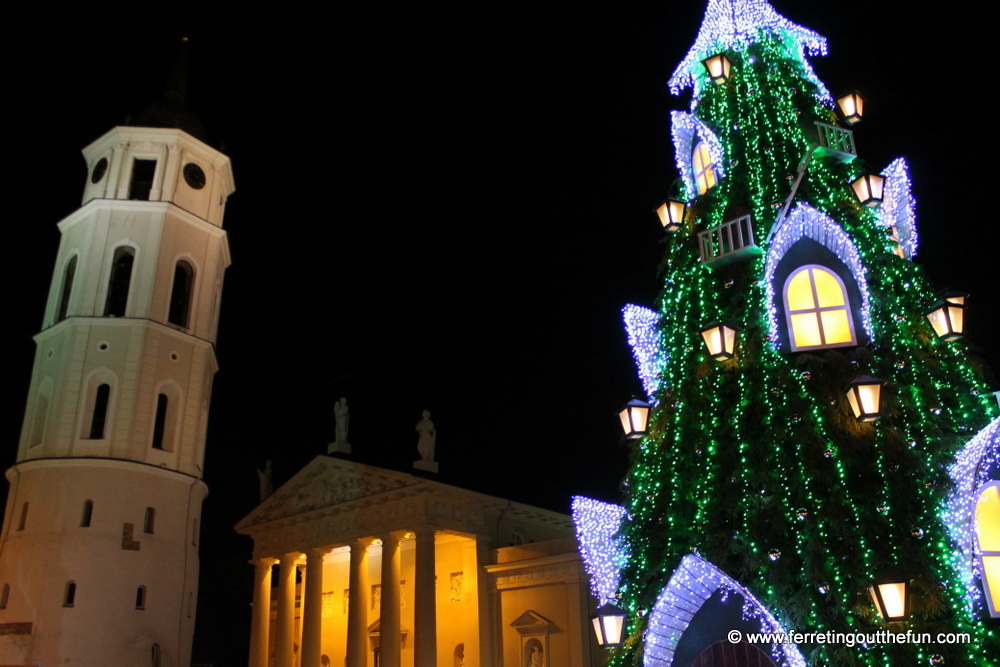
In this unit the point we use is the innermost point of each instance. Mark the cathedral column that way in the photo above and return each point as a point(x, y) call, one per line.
point(312, 609)
point(425, 605)
point(389, 642)
point(357, 611)
point(260, 624)
point(300, 600)
point(284, 650)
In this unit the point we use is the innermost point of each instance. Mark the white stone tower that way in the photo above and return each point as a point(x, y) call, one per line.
point(99, 548)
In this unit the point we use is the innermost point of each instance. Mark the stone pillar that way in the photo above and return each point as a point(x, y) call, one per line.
point(284, 650)
point(260, 625)
point(357, 611)
point(425, 605)
point(389, 642)
point(300, 600)
point(312, 609)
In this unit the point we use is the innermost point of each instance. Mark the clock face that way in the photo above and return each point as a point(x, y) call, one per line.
point(99, 170)
point(194, 176)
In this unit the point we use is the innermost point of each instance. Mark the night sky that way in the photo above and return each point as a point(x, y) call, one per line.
point(445, 208)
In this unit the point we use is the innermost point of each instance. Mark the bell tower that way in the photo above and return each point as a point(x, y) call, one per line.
point(99, 547)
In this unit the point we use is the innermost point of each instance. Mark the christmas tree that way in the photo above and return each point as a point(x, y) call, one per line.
point(818, 426)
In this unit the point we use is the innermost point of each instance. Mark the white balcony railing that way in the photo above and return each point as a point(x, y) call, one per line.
point(729, 242)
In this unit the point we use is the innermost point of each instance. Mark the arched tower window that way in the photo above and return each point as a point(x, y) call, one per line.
point(165, 429)
point(180, 295)
point(704, 171)
point(148, 522)
point(160, 422)
point(41, 412)
point(140, 597)
point(4, 596)
point(119, 282)
point(143, 172)
point(88, 513)
point(69, 597)
point(99, 415)
point(67, 289)
point(817, 309)
point(988, 536)
point(24, 516)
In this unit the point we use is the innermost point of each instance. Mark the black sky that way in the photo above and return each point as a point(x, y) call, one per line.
point(446, 208)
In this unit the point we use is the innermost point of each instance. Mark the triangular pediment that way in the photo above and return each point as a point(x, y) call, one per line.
point(326, 482)
point(533, 623)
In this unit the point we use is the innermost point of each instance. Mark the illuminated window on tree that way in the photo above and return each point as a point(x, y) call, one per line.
point(817, 310)
point(988, 535)
point(704, 172)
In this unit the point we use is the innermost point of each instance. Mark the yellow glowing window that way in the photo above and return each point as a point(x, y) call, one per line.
point(817, 310)
point(988, 536)
point(704, 172)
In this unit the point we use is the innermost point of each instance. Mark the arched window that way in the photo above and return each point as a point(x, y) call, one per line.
point(988, 536)
point(4, 596)
point(88, 513)
point(140, 597)
point(180, 295)
point(148, 522)
point(24, 516)
point(41, 412)
point(69, 598)
point(160, 422)
point(817, 310)
point(119, 282)
point(704, 171)
point(67, 289)
point(99, 416)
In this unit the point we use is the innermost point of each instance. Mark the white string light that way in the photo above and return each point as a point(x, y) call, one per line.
point(597, 526)
point(642, 327)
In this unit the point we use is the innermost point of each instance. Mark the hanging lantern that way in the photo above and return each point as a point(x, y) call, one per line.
point(720, 340)
point(609, 625)
point(890, 592)
point(671, 214)
point(948, 315)
point(852, 107)
point(718, 67)
point(635, 416)
point(868, 189)
point(865, 396)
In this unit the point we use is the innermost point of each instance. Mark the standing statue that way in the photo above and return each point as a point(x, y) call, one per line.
point(342, 413)
point(536, 658)
point(425, 443)
point(266, 484)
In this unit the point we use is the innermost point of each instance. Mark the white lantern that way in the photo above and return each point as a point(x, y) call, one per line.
point(719, 67)
point(720, 339)
point(635, 418)
point(852, 107)
point(609, 625)
point(865, 397)
point(948, 315)
point(890, 592)
point(868, 189)
point(671, 214)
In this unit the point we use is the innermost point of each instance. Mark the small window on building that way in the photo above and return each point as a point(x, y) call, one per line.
point(194, 532)
point(99, 418)
point(41, 413)
point(140, 598)
point(148, 522)
point(119, 282)
point(69, 599)
point(88, 512)
point(704, 171)
point(4, 596)
point(67, 289)
point(817, 311)
point(142, 179)
point(988, 536)
point(160, 422)
point(24, 516)
point(180, 296)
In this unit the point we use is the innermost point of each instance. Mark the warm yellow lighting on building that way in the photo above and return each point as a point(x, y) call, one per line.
point(704, 172)
point(817, 309)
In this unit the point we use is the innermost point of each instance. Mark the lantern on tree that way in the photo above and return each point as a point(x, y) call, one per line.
point(719, 67)
point(671, 214)
point(948, 315)
point(720, 339)
point(635, 417)
point(852, 107)
point(868, 189)
point(609, 625)
point(890, 592)
point(865, 397)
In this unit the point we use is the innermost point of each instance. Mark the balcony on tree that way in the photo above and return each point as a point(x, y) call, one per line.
point(835, 141)
point(730, 242)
